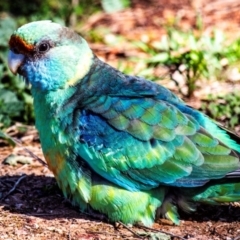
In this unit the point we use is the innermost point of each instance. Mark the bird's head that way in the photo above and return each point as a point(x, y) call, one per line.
point(48, 55)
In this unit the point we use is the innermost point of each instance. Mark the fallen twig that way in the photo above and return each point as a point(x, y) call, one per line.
point(30, 152)
point(14, 187)
point(69, 235)
point(18, 142)
point(161, 231)
point(105, 233)
point(130, 230)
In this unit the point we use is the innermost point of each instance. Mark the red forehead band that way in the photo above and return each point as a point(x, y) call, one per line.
point(20, 44)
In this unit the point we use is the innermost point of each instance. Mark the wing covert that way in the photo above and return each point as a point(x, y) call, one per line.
point(140, 143)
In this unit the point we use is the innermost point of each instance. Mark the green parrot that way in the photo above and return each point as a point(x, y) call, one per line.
point(119, 144)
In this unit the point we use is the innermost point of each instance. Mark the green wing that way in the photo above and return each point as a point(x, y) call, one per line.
point(140, 143)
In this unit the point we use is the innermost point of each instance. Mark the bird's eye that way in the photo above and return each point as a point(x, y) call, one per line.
point(15, 50)
point(43, 47)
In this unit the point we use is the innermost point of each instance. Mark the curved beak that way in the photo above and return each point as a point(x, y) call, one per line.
point(15, 61)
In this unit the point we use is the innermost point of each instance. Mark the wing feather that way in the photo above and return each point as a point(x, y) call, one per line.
point(142, 141)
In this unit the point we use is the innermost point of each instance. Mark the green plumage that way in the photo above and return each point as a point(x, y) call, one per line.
point(119, 144)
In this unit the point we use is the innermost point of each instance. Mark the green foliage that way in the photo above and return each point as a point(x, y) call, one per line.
point(15, 99)
point(110, 6)
point(192, 56)
point(224, 108)
point(7, 138)
point(37, 9)
point(232, 52)
point(59, 11)
point(85, 8)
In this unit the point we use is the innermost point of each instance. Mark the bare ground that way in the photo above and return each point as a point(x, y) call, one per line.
point(31, 204)
point(32, 207)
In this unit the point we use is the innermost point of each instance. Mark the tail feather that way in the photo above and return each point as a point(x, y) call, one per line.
point(215, 192)
point(231, 134)
point(234, 137)
point(234, 174)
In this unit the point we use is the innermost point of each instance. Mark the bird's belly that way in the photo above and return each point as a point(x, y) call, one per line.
point(55, 143)
point(56, 162)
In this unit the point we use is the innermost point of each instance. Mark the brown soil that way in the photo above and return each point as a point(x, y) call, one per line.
point(31, 204)
point(32, 207)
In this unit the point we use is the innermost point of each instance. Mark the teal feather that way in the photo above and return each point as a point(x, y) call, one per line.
point(121, 106)
point(163, 134)
point(188, 153)
point(110, 114)
point(140, 130)
point(150, 117)
point(101, 106)
point(120, 122)
point(186, 129)
point(217, 150)
point(204, 140)
point(133, 112)
point(169, 119)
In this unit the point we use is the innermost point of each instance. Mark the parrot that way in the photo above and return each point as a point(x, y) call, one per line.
point(120, 145)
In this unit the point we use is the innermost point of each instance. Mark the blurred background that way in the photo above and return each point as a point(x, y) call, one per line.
point(189, 46)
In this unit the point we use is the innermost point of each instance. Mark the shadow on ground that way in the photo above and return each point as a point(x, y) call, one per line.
point(36, 196)
point(40, 196)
